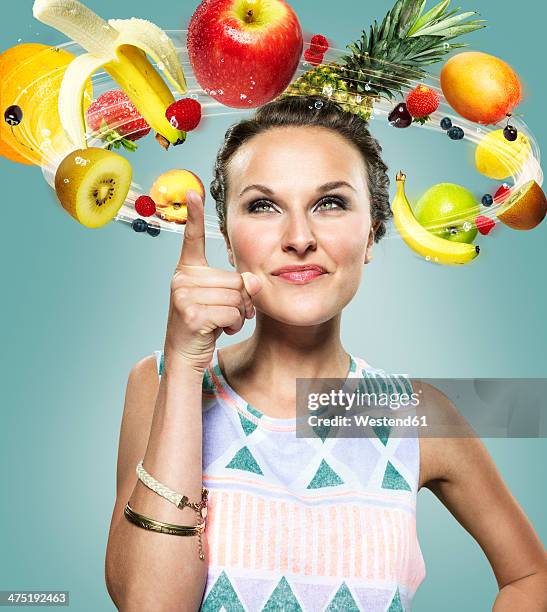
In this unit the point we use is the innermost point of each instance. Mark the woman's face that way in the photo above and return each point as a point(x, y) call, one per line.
point(299, 219)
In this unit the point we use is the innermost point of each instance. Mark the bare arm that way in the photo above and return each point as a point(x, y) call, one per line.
point(162, 422)
point(461, 473)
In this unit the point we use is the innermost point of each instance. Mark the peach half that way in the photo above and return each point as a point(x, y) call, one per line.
point(169, 194)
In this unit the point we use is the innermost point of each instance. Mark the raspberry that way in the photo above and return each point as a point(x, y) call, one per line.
point(184, 114)
point(145, 206)
point(313, 57)
point(484, 224)
point(319, 44)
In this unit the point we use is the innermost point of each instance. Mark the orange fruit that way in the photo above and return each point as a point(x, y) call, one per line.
point(30, 77)
point(480, 87)
point(524, 208)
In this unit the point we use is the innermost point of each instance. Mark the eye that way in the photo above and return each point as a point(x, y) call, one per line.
point(258, 204)
point(254, 206)
point(333, 200)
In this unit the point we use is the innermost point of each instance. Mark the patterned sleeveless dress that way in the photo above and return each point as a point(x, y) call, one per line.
point(305, 524)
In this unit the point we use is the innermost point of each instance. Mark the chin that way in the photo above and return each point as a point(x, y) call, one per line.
point(303, 313)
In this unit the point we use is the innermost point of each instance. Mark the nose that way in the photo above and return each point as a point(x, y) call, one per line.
point(298, 235)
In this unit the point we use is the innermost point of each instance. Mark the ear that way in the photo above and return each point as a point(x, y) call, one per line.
point(229, 250)
point(370, 244)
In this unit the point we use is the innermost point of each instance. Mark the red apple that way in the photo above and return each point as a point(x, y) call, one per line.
point(244, 53)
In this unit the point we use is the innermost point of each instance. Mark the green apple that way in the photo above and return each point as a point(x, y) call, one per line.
point(449, 211)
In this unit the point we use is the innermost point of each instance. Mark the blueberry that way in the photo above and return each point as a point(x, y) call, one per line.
point(510, 133)
point(139, 225)
point(153, 229)
point(13, 115)
point(487, 199)
point(446, 123)
point(455, 133)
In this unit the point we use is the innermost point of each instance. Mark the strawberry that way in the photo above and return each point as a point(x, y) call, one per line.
point(184, 114)
point(313, 57)
point(114, 118)
point(319, 44)
point(422, 101)
point(145, 206)
point(484, 224)
point(503, 192)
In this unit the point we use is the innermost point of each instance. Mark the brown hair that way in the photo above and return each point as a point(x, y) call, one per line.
point(303, 110)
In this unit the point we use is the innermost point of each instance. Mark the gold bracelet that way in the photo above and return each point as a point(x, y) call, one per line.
point(169, 528)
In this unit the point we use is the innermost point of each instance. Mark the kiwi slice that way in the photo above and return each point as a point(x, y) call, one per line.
point(92, 185)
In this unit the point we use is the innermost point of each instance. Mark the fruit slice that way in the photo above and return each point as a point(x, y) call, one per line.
point(497, 158)
point(30, 77)
point(525, 208)
point(424, 243)
point(92, 185)
point(169, 194)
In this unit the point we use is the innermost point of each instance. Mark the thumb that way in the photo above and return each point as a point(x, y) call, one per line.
point(252, 283)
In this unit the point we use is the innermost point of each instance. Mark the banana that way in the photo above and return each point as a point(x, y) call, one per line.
point(119, 46)
point(420, 240)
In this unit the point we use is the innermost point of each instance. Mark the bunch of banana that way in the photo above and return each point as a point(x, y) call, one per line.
point(119, 46)
point(420, 240)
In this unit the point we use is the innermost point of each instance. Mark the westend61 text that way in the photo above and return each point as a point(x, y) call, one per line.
point(366, 420)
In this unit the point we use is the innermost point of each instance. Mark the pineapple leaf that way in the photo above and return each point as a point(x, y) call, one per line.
point(395, 13)
point(372, 36)
point(448, 15)
point(385, 26)
point(419, 14)
point(391, 55)
point(438, 28)
point(409, 14)
point(463, 29)
point(429, 17)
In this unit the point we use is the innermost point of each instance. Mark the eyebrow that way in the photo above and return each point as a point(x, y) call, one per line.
point(321, 188)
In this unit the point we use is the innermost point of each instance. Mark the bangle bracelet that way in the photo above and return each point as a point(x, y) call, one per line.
point(169, 528)
point(175, 498)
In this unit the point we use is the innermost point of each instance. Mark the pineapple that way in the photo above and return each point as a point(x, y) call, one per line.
point(386, 60)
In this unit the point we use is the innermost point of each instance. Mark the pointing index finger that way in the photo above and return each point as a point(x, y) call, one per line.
point(193, 243)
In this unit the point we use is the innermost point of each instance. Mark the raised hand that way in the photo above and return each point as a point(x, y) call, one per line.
point(204, 301)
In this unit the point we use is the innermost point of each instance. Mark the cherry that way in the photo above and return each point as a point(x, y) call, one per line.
point(400, 117)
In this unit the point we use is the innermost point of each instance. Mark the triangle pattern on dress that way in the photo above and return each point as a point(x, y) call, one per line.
point(244, 460)
point(325, 477)
point(396, 605)
point(382, 431)
point(247, 425)
point(343, 601)
point(321, 431)
point(207, 384)
point(393, 479)
point(222, 597)
point(282, 599)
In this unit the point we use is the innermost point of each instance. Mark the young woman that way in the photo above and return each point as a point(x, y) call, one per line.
point(294, 523)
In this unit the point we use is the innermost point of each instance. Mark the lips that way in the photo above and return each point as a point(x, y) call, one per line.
point(318, 269)
point(300, 275)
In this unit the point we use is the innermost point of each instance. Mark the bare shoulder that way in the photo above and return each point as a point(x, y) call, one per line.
point(441, 456)
point(458, 469)
point(138, 411)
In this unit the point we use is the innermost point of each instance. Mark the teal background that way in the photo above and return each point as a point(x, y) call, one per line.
point(81, 306)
